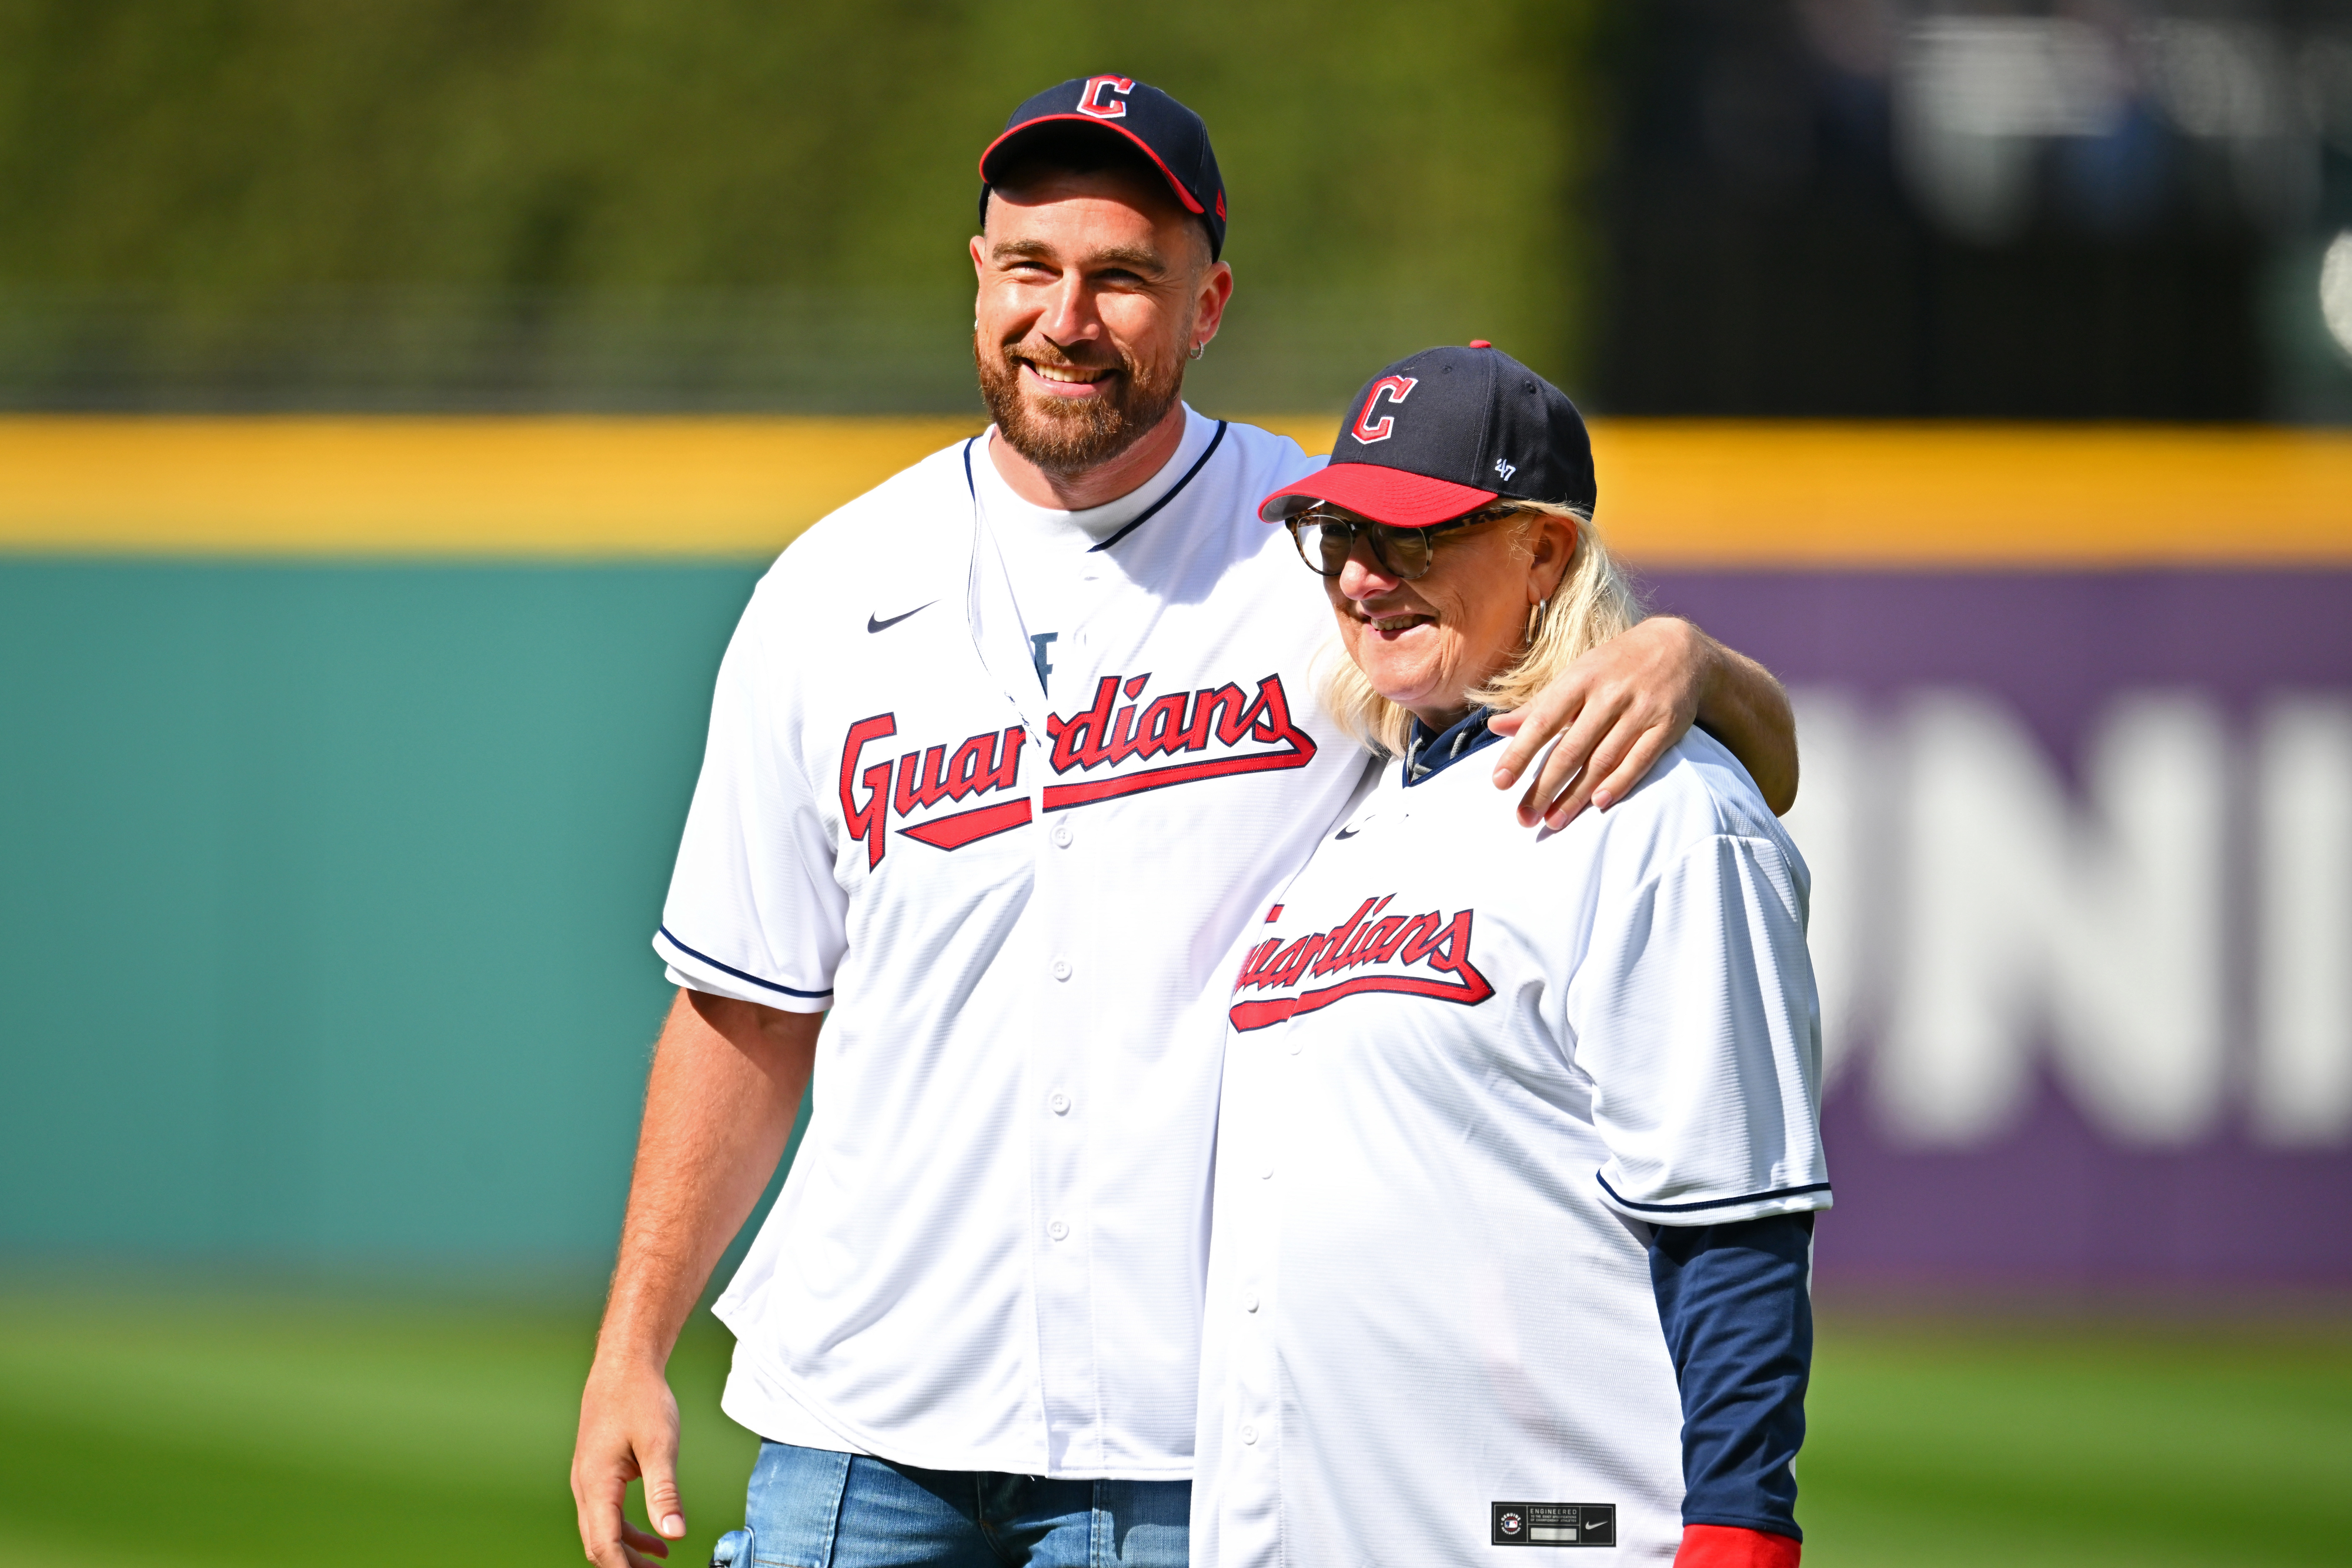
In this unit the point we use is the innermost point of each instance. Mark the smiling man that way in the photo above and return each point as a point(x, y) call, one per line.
point(1002, 757)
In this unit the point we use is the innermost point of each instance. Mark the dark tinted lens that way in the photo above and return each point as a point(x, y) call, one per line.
point(1333, 541)
point(1324, 543)
point(1403, 551)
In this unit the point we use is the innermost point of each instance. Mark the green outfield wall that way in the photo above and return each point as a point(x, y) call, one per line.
point(342, 762)
point(324, 899)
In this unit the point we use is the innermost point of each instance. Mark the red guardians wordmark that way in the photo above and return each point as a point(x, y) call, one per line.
point(1419, 955)
point(1183, 738)
point(983, 764)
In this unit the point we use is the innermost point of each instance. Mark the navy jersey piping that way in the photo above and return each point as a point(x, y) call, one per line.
point(1141, 517)
point(1146, 515)
point(729, 968)
point(1710, 1203)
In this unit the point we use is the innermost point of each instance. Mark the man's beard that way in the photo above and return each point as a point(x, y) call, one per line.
point(1066, 437)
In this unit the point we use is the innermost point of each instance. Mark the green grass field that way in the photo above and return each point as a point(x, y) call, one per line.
point(201, 1429)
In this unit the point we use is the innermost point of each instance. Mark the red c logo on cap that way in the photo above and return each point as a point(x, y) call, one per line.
point(1394, 389)
point(1092, 102)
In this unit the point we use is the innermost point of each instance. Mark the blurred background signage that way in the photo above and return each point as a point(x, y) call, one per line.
point(2109, 209)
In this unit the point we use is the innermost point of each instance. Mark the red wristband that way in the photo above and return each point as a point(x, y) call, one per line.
point(1727, 1546)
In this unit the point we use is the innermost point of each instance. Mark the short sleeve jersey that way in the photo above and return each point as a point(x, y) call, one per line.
point(1468, 1068)
point(1011, 869)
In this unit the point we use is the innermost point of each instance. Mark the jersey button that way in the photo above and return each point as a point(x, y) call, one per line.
point(1249, 1433)
point(1059, 1230)
point(1249, 1301)
point(1058, 1103)
point(1061, 968)
point(1062, 834)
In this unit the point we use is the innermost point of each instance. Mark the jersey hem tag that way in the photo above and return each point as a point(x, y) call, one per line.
point(1552, 1524)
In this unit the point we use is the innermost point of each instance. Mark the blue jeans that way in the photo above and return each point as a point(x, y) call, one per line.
point(812, 1509)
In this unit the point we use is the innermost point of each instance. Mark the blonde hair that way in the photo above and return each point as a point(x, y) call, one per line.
point(1593, 603)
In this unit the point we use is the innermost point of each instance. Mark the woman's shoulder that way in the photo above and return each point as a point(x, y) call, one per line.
point(1703, 770)
point(1698, 791)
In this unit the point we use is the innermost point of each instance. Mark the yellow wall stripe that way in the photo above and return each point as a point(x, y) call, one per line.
point(1673, 493)
point(398, 486)
point(1694, 493)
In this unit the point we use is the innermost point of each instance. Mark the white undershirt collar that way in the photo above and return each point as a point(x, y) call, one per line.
point(1024, 530)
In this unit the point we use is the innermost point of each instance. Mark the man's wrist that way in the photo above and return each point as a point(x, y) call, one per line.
point(1712, 688)
point(1715, 664)
point(625, 1347)
point(612, 1370)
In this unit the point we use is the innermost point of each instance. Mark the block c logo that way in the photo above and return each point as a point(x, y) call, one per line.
point(1093, 102)
point(1394, 389)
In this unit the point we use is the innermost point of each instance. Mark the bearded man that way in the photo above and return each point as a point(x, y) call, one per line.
point(1005, 758)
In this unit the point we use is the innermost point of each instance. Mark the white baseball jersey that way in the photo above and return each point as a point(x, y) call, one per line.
point(1467, 1068)
point(1007, 829)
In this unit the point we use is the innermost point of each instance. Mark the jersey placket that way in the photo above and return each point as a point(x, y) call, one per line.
point(1063, 1113)
point(1065, 1101)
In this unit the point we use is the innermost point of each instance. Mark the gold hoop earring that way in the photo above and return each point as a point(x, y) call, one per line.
point(1536, 618)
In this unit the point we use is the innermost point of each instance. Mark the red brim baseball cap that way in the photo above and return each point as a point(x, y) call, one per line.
point(1391, 496)
point(1446, 432)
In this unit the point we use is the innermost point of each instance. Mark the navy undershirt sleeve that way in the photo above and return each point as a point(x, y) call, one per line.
point(1740, 1325)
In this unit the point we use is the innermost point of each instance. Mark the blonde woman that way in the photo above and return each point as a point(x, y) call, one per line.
point(1519, 1146)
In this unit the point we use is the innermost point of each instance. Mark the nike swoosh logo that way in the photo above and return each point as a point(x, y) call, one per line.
point(872, 624)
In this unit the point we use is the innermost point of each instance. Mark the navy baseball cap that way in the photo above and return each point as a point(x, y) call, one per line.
point(1167, 133)
point(1446, 432)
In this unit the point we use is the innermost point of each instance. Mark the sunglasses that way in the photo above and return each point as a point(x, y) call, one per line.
point(1326, 537)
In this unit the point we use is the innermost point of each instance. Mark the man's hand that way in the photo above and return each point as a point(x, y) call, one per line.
point(628, 1428)
point(1618, 708)
point(726, 1080)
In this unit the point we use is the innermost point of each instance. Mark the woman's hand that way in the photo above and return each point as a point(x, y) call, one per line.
point(1616, 710)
